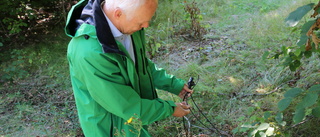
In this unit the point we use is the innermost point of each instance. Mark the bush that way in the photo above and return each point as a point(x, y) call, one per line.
point(24, 18)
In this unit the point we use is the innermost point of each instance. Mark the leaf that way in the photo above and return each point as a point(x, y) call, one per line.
point(253, 133)
point(1, 44)
point(316, 112)
point(293, 92)
point(263, 126)
point(284, 103)
point(297, 52)
point(279, 117)
point(304, 29)
point(315, 88)
point(294, 65)
point(267, 115)
point(308, 100)
point(295, 16)
point(299, 115)
point(308, 54)
point(270, 131)
point(262, 134)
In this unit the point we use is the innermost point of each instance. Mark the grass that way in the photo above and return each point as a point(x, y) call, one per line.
point(36, 95)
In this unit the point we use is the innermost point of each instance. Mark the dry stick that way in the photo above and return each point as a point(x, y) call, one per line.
point(302, 122)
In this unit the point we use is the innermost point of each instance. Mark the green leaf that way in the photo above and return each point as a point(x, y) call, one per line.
point(284, 103)
point(1, 44)
point(294, 65)
point(287, 61)
point(267, 115)
point(284, 50)
point(279, 117)
point(297, 52)
point(315, 88)
point(306, 26)
point(309, 100)
point(293, 92)
point(304, 29)
point(308, 54)
point(263, 126)
point(295, 16)
point(299, 115)
point(316, 112)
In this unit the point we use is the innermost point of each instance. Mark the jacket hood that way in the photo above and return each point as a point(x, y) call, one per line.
point(90, 12)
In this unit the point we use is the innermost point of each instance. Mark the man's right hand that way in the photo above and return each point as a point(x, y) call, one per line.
point(181, 109)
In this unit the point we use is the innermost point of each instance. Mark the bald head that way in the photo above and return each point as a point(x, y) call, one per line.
point(129, 16)
point(129, 6)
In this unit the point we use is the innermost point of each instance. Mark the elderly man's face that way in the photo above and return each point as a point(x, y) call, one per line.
point(139, 20)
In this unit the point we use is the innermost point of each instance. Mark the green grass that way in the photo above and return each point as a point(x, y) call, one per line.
point(238, 37)
point(36, 96)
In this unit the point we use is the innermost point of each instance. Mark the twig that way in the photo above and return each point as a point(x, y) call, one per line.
point(302, 122)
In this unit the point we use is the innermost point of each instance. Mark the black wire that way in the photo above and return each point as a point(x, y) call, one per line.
point(205, 116)
point(185, 99)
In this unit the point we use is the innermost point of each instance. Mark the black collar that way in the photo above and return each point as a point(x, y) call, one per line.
point(104, 34)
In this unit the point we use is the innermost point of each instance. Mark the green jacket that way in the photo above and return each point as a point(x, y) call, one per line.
point(109, 88)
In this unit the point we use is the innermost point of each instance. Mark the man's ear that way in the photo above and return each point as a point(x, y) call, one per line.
point(117, 13)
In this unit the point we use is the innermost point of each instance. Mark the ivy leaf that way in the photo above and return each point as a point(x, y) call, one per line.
point(316, 112)
point(295, 16)
point(284, 103)
point(293, 92)
point(299, 115)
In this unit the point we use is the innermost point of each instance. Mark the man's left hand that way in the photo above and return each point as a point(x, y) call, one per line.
point(184, 91)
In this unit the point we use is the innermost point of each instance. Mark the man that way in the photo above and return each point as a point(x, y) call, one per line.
point(112, 79)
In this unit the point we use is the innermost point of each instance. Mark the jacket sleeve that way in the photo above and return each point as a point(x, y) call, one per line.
point(165, 81)
point(107, 87)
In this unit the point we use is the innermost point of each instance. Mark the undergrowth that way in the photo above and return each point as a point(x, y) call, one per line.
point(238, 88)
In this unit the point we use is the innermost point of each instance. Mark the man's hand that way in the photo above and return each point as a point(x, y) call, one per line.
point(184, 91)
point(181, 109)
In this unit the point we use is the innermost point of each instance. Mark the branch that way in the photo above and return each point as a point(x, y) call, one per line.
point(302, 122)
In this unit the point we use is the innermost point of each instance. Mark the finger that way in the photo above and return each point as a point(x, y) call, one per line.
point(187, 111)
point(185, 106)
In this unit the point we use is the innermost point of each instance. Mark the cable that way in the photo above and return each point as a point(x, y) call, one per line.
point(191, 85)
